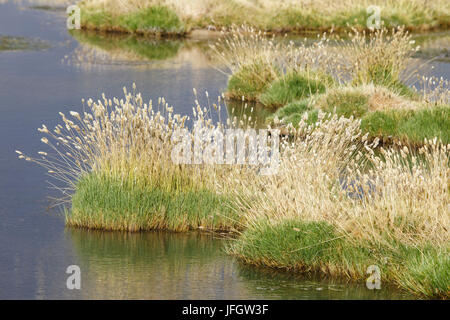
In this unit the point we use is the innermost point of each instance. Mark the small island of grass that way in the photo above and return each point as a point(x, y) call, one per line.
point(360, 77)
point(178, 18)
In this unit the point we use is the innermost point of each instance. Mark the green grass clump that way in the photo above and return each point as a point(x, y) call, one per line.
point(428, 271)
point(316, 247)
point(294, 86)
point(410, 125)
point(347, 103)
point(96, 19)
point(296, 107)
point(155, 19)
point(250, 81)
point(152, 19)
point(294, 111)
point(104, 202)
point(302, 246)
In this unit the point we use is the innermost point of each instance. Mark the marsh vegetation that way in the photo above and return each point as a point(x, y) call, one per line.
point(358, 206)
point(168, 17)
point(365, 76)
point(363, 176)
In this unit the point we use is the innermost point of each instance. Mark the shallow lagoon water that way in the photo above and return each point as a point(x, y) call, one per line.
point(36, 248)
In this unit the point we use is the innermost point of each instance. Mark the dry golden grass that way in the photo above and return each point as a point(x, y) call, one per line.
point(245, 46)
point(378, 57)
point(331, 173)
point(125, 138)
point(117, 157)
point(379, 98)
point(262, 13)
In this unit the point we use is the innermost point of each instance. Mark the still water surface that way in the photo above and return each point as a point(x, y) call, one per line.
point(53, 74)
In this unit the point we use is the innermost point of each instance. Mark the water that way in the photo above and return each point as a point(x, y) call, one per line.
point(38, 81)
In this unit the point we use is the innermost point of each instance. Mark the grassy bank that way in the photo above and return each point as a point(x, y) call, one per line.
point(169, 17)
point(361, 77)
point(316, 247)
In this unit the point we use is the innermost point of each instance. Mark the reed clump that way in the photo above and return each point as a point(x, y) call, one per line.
point(376, 58)
point(115, 162)
point(362, 76)
point(338, 204)
point(283, 70)
point(379, 57)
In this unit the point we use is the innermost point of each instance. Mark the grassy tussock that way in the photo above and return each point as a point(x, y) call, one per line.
point(294, 86)
point(250, 81)
point(115, 164)
point(378, 58)
point(337, 206)
point(316, 247)
point(271, 15)
point(359, 78)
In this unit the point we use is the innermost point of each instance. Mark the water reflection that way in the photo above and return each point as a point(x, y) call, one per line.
point(434, 46)
point(154, 265)
point(163, 265)
point(97, 50)
point(34, 250)
point(291, 285)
